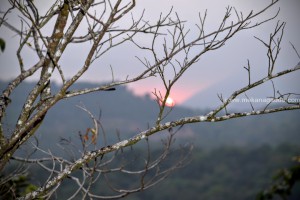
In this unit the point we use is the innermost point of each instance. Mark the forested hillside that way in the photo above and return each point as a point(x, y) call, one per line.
point(235, 159)
point(220, 174)
point(121, 112)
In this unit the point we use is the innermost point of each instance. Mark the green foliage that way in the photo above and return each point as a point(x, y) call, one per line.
point(283, 183)
point(2, 44)
point(15, 183)
point(14, 187)
point(30, 188)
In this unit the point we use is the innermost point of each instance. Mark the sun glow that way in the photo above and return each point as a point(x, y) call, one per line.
point(170, 102)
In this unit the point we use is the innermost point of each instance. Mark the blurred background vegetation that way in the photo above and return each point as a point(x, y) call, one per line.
point(243, 158)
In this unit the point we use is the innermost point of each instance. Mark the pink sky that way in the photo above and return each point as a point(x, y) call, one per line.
point(178, 93)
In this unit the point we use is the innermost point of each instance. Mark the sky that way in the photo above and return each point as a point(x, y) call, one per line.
point(218, 72)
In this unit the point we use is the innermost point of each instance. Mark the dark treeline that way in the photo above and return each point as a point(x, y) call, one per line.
point(222, 173)
point(227, 173)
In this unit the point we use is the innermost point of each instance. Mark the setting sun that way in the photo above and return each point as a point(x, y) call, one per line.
point(170, 102)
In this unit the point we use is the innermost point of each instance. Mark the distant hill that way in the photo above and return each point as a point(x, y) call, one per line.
point(208, 96)
point(122, 112)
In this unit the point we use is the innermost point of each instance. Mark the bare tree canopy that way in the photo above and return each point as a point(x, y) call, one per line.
point(100, 25)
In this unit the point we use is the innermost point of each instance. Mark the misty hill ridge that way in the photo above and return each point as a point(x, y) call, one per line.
point(123, 112)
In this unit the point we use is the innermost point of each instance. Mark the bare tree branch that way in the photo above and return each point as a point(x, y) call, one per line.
point(170, 48)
